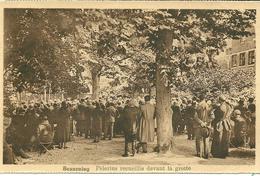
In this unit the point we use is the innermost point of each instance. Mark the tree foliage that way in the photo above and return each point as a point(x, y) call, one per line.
point(198, 35)
point(38, 52)
point(217, 80)
point(120, 44)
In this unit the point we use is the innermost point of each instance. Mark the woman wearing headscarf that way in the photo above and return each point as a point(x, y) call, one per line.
point(240, 129)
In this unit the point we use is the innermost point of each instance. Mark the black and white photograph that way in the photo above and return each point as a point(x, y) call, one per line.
point(129, 87)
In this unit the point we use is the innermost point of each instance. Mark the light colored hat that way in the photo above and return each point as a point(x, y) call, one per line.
point(237, 112)
point(133, 103)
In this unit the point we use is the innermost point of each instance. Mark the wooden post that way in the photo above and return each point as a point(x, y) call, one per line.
point(19, 97)
point(62, 96)
point(45, 93)
point(49, 98)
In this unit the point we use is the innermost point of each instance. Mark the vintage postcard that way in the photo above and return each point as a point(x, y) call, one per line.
point(129, 87)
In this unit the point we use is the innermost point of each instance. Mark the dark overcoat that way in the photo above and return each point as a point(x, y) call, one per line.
point(129, 121)
point(63, 125)
point(98, 114)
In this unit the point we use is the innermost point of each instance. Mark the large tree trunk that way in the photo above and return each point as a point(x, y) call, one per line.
point(95, 85)
point(163, 94)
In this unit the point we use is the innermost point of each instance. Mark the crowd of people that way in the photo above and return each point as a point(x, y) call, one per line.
point(214, 124)
point(59, 121)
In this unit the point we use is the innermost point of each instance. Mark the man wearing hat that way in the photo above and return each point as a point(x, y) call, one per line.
point(189, 115)
point(81, 121)
point(201, 121)
point(54, 114)
point(251, 105)
point(241, 107)
point(88, 119)
point(250, 119)
point(176, 116)
point(31, 122)
point(63, 125)
point(112, 114)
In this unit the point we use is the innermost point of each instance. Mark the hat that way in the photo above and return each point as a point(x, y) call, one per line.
point(133, 103)
point(88, 102)
point(63, 104)
point(205, 132)
point(141, 102)
point(237, 112)
point(45, 118)
point(251, 99)
point(194, 103)
point(242, 99)
point(147, 98)
point(222, 98)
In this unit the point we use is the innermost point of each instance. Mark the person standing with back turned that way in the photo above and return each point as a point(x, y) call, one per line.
point(146, 124)
point(201, 131)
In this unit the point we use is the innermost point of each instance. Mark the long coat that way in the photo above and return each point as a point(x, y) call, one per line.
point(146, 123)
point(202, 114)
point(98, 114)
point(88, 117)
point(32, 122)
point(118, 121)
point(81, 121)
point(54, 115)
point(251, 131)
point(176, 117)
point(75, 113)
point(129, 122)
point(222, 131)
point(63, 125)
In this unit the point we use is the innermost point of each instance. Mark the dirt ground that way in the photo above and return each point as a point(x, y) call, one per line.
point(84, 151)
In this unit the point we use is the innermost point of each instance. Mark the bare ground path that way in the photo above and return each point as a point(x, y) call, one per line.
point(84, 151)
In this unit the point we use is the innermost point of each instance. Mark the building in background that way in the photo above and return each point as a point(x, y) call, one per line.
point(240, 53)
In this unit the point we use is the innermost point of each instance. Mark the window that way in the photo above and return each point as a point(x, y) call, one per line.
point(242, 59)
point(242, 40)
point(251, 57)
point(234, 60)
point(228, 50)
